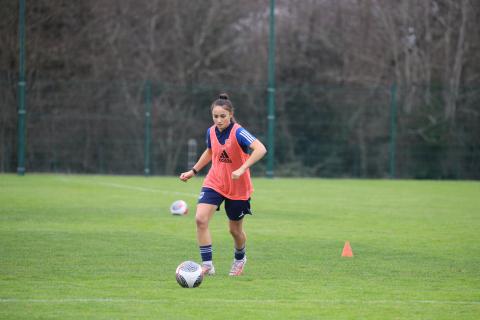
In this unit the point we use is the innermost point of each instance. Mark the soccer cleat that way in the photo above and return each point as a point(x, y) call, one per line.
point(208, 270)
point(237, 267)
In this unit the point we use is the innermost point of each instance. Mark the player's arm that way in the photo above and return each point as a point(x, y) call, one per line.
point(258, 151)
point(204, 159)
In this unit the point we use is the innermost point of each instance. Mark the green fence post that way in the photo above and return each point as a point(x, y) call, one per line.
point(393, 128)
point(21, 91)
point(148, 126)
point(271, 93)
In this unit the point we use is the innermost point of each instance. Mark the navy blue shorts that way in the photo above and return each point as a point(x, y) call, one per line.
point(236, 209)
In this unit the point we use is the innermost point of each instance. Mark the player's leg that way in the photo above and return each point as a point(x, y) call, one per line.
point(208, 203)
point(202, 218)
point(236, 210)
point(204, 238)
point(238, 234)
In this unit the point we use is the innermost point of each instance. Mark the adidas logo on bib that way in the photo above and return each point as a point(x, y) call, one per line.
point(224, 157)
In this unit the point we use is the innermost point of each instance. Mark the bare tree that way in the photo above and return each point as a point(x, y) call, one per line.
point(8, 78)
point(89, 64)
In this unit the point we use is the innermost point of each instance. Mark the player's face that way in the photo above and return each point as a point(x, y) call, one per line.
point(221, 117)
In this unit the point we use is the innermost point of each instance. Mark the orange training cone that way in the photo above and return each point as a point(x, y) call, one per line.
point(347, 250)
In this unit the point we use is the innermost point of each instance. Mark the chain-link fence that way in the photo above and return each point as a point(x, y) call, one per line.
point(127, 127)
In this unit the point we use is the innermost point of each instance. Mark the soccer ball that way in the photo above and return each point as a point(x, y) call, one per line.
point(179, 208)
point(189, 274)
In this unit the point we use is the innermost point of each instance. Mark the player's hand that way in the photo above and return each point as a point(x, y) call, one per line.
point(186, 175)
point(237, 173)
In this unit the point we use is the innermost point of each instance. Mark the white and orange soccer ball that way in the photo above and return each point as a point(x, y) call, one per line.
point(189, 274)
point(179, 208)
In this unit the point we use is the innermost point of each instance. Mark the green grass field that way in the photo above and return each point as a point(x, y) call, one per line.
point(106, 247)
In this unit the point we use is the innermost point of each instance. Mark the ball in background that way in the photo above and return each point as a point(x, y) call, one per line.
point(179, 208)
point(189, 274)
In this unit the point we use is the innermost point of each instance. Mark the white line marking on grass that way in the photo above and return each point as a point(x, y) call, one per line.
point(273, 301)
point(130, 187)
point(143, 189)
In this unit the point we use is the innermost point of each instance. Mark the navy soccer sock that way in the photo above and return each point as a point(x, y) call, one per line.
point(206, 253)
point(239, 253)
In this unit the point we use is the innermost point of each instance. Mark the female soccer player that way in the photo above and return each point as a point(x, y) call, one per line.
point(228, 180)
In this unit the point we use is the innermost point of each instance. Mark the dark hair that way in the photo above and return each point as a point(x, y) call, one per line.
point(224, 102)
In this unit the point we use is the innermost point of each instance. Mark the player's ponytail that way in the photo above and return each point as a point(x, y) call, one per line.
point(224, 101)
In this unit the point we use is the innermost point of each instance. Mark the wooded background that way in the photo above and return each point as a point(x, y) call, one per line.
point(347, 73)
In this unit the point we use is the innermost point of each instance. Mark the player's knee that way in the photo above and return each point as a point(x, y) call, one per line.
point(202, 222)
point(235, 232)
